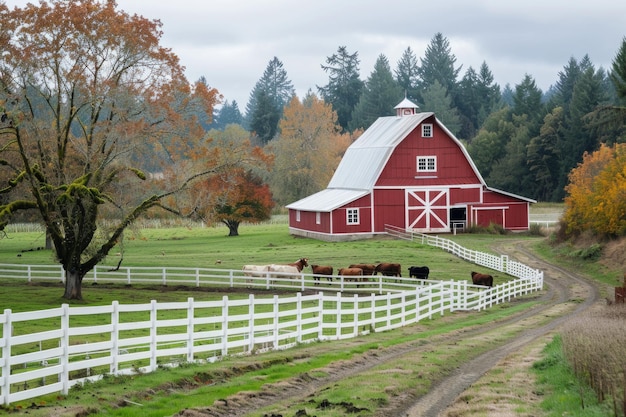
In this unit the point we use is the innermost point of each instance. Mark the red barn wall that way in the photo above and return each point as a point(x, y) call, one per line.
point(452, 166)
point(390, 209)
point(308, 221)
point(365, 217)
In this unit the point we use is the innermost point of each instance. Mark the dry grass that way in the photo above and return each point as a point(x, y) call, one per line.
point(594, 345)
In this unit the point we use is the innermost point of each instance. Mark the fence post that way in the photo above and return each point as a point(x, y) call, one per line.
point(5, 389)
point(115, 344)
point(224, 325)
point(190, 333)
point(373, 316)
point(356, 314)
point(338, 316)
point(128, 276)
point(153, 335)
point(198, 277)
point(320, 325)
point(250, 322)
point(299, 317)
point(164, 276)
point(275, 327)
point(64, 377)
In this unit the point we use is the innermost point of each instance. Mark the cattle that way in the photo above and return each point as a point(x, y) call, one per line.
point(284, 271)
point(255, 270)
point(322, 270)
point(300, 264)
point(389, 269)
point(419, 272)
point(368, 269)
point(482, 279)
point(351, 274)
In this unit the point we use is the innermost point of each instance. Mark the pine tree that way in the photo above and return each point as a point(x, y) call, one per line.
point(344, 84)
point(380, 95)
point(438, 101)
point(407, 75)
point(277, 88)
point(438, 65)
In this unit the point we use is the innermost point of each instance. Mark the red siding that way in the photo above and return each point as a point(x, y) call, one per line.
point(464, 195)
point(452, 166)
point(340, 217)
point(389, 209)
point(308, 221)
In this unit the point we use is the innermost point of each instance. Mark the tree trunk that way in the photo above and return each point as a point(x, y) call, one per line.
point(233, 228)
point(73, 285)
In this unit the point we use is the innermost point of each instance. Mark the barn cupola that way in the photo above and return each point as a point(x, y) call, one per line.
point(406, 108)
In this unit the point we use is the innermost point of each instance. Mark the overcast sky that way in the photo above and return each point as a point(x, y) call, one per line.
point(231, 42)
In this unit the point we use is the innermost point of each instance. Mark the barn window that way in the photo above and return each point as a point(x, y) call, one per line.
point(318, 217)
point(426, 164)
point(427, 131)
point(353, 216)
point(297, 215)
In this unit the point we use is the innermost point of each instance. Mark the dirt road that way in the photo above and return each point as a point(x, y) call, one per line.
point(565, 296)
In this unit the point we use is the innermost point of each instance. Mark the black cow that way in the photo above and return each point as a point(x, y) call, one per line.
point(419, 272)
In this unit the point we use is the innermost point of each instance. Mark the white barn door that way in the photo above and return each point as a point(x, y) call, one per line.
point(427, 210)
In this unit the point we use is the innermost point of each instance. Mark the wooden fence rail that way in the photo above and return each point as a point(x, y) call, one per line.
point(79, 343)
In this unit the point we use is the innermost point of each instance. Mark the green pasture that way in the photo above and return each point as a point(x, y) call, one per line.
point(211, 248)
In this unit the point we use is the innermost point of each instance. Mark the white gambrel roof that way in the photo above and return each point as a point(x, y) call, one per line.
point(365, 159)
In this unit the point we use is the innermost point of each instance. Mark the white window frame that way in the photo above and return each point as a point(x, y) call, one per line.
point(297, 215)
point(426, 164)
point(427, 130)
point(318, 217)
point(352, 216)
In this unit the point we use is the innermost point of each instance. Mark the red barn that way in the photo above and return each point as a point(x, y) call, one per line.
point(408, 171)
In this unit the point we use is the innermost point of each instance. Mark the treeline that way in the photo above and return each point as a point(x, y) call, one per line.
point(523, 140)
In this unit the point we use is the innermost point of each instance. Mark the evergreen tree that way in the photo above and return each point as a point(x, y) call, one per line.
point(344, 84)
point(527, 101)
point(276, 86)
point(489, 145)
point(438, 101)
point(507, 95)
point(265, 117)
point(407, 75)
point(438, 65)
point(544, 154)
point(618, 73)
point(228, 114)
point(380, 95)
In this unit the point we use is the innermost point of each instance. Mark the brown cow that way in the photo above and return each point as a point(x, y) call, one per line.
point(300, 264)
point(368, 269)
point(322, 270)
point(351, 274)
point(389, 269)
point(482, 279)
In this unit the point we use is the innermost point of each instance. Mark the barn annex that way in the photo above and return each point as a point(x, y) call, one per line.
point(410, 172)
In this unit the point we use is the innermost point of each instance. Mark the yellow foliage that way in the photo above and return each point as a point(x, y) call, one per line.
point(596, 191)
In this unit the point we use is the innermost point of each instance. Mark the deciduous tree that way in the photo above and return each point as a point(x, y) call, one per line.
point(308, 149)
point(83, 88)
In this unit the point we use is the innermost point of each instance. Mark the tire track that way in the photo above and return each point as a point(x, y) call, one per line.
point(563, 287)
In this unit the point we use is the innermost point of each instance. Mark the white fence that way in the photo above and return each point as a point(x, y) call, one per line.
point(76, 343)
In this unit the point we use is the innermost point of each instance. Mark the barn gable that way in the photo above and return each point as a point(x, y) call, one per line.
point(408, 171)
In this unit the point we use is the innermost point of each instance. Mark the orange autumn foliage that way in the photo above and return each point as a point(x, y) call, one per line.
point(596, 193)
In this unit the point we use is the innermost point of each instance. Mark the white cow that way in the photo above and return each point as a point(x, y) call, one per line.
point(284, 271)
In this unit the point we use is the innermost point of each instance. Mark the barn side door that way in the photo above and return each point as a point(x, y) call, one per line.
point(427, 210)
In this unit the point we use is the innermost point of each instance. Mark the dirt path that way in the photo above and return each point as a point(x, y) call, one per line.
point(560, 301)
point(565, 289)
